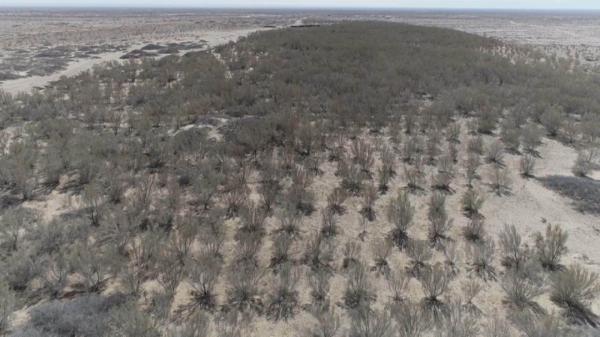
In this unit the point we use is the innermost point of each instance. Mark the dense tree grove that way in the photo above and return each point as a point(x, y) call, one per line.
point(198, 201)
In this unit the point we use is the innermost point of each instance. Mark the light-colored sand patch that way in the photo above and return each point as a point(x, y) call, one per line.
point(212, 37)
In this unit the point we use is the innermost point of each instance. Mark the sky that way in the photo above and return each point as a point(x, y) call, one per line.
point(480, 4)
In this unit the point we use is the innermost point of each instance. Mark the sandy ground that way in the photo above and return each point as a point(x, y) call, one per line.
point(26, 84)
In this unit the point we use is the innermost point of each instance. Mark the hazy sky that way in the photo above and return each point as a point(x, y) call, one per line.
point(517, 4)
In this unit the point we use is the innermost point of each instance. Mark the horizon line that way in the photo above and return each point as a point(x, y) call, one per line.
point(298, 7)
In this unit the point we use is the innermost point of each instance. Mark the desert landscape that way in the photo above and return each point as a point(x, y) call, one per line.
point(294, 173)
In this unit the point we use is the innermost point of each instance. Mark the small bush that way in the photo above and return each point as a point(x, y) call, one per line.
point(495, 153)
point(481, 259)
point(400, 213)
point(515, 253)
point(244, 294)
point(472, 201)
point(358, 294)
point(411, 320)
point(439, 224)
point(381, 249)
point(573, 290)
point(500, 180)
point(521, 292)
point(328, 223)
point(335, 201)
point(527, 165)
point(474, 231)
point(398, 283)
point(328, 322)
point(284, 299)
point(551, 247)
point(370, 323)
point(434, 281)
point(419, 253)
point(369, 195)
point(415, 176)
point(457, 323)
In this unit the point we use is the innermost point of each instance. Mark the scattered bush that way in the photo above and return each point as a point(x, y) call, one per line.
point(435, 281)
point(358, 294)
point(439, 224)
point(551, 247)
point(573, 290)
point(472, 201)
point(527, 165)
point(495, 153)
point(400, 213)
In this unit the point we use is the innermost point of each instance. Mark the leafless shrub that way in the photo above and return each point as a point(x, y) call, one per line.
point(471, 166)
point(551, 247)
point(328, 322)
point(472, 201)
point(369, 195)
point(127, 320)
point(335, 201)
point(453, 133)
point(351, 254)
point(289, 223)
point(452, 258)
point(510, 135)
point(475, 145)
point(415, 175)
point(584, 163)
point(252, 219)
point(527, 165)
point(318, 253)
point(284, 299)
point(470, 289)
point(398, 282)
point(532, 137)
point(432, 146)
point(244, 294)
point(383, 176)
point(444, 175)
point(434, 281)
point(388, 161)
point(328, 223)
point(358, 294)
point(411, 320)
point(521, 292)
point(94, 266)
point(535, 326)
point(500, 180)
point(457, 323)
point(247, 249)
point(352, 179)
point(439, 224)
point(552, 120)
point(474, 231)
point(318, 281)
point(381, 249)
point(481, 259)
point(280, 255)
point(204, 273)
point(419, 253)
point(573, 290)
point(363, 155)
point(495, 153)
point(370, 323)
point(515, 253)
point(400, 213)
point(14, 223)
